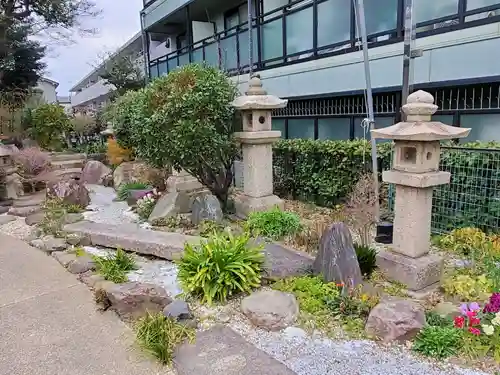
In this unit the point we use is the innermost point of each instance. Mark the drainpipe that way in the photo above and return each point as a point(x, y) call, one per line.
point(145, 50)
point(250, 37)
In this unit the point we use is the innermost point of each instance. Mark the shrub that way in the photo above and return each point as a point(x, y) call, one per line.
point(322, 172)
point(116, 154)
point(83, 124)
point(438, 342)
point(220, 267)
point(49, 123)
point(114, 267)
point(468, 287)
point(435, 320)
point(186, 119)
point(159, 336)
point(367, 259)
point(124, 189)
point(32, 160)
point(274, 224)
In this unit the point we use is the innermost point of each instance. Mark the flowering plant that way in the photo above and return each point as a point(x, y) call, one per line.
point(146, 204)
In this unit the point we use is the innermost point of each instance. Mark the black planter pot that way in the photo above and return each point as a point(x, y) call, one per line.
point(385, 231)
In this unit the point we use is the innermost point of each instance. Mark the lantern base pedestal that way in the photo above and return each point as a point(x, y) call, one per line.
point(415, 273)
point(244, 204)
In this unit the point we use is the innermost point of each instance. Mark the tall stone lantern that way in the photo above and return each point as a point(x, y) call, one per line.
point(415, 172)
point(256, 140)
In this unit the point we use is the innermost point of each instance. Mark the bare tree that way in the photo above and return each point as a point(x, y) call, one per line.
point(124, 71)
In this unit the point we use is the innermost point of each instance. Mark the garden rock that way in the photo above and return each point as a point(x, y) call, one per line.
point(396, 320)
point(135, 195)
point(64, 257)
point(133, 300)
point(95, 172)
point(90, 279)
point(49, 244)
point(81, 264)
point(136, 171)
point(178, 310)
point(4, 219)
point(447, 310)
point(35, 218)
point(270, 309)
point(24, 211)
point(170, 205)
point(336, 260)
point(76, 239)
point(73, 218)
point(206, 207)
point(70, 191)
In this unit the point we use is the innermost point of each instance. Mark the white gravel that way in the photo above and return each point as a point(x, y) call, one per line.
point(18, 229)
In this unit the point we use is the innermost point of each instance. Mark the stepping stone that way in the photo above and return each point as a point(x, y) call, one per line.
point(59, 174)
point(4, 219)
point(24, 211)
point(131, 237)
point(66, 157)
point(220, 350)
point(68, 164)
point(29, 200)
point(282, 262)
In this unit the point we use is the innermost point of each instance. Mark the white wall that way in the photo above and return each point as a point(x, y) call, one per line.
point(49, 91)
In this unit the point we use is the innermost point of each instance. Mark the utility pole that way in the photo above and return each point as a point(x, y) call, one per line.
point(361, 25)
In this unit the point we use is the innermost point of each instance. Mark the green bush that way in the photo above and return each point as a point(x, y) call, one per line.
point(434, 319)
point(123, 189)
point(322, 172)
point(274, 224)
point(220, 267)
point(159, 336)
point(367, 259)
point(115, 267)
point(438, 342)
point(49, 123)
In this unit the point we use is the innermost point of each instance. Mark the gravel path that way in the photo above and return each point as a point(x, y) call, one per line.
point(18, 229)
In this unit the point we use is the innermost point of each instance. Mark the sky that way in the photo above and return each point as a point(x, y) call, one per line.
point(67, 64)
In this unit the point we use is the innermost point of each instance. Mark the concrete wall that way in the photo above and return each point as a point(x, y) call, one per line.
point(49, 91)
point(462, 54)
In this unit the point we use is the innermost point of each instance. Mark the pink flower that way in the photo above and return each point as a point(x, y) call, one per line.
point(474, 321)
point(475, 331)
point(459, 322)
point(471, 314)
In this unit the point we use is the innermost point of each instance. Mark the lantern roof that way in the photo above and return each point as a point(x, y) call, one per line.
point(257, 98)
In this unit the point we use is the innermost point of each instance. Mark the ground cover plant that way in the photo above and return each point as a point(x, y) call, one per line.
point(274, 224)
point(114, 267)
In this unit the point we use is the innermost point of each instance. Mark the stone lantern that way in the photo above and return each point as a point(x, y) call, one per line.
point(415, 172)
point(256, 140)
point(13, 185)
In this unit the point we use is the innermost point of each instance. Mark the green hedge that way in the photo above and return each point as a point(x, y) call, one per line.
point(322, 172)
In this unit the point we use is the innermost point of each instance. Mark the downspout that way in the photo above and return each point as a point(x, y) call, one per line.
point(145, 50)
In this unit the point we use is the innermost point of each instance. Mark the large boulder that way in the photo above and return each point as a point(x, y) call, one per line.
point(206, 207)
point(70, 191)
point(136, 171)
point(270, 309)
point(95, 172)
point(395, 320)
point(169, 205)
point(133, 300)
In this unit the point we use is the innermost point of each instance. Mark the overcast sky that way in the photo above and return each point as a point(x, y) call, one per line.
point(118, 22)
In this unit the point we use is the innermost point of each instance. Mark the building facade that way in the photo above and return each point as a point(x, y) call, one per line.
point(91, 93)
point(309, 52)
point(47, 87)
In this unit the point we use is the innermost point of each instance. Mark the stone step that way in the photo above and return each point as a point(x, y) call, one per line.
point(65, 157)
point(30, 200)
point(131, 237)
point(59, 174)
point(68, 164)
point(220, 350)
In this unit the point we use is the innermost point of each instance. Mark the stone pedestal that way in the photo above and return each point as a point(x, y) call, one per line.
point(415, 172)
point(183, 182)
point(256, 140)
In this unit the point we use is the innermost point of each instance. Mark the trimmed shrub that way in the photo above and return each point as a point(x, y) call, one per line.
point(274, 224)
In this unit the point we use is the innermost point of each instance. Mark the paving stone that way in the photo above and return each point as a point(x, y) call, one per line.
point(220, 350)
point(4, 219)
point(282, 262)
point(64, 258)
point(4, 209)
point(73, 218)
point(29, 200)
point(81, 264)
point(178, 309)
point(64, 157)
point(76, 239)
point(131, 237)
point(35, 218)
point(49, 244)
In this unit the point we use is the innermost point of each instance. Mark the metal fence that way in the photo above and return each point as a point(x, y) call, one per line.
point(473, 196)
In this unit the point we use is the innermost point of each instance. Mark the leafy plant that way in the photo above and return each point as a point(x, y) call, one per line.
point(467, 287)
point(220, 267)
point(146, 205)
point(114, 267)
point(208, 227)
point(274, 224)
point(435, 320)
point(438, 342)
point(54, 213)
point(50, 122)
point(367, 259)
point(352, 304)
point(83, 124)
point(159, 336)
point(124, 189)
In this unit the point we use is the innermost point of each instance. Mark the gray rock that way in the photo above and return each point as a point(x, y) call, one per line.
point(206, 207)
point(94, 172)
point(169, 205)
point(447, 309)
point(270, 309)
point(135, 195)
point(35, 218)
point(24, 211)
point(395, 320)
point(73, 218)
point(4, 209)
point(90, 279)
point(76, 239)
point(49, 244)
point(81, 264)
point(64, 258)
point(133, 300)
point(282, 262)
point(70, 191)
point(220, 350)
point(178, 309)
point(336, 260)
point(4, 219)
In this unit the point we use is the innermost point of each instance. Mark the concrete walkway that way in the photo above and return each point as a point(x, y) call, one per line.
point(49, 324)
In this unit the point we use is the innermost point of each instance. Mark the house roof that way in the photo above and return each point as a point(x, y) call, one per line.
point(48, 80)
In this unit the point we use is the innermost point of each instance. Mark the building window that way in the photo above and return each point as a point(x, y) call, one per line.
point(279, 124)
point(299, 31)
point(236, 16)
point(301, 128)
point(334, 22)
point(334, 128)
point(484, 127)
point(382, 15)
point(427, 10)
point(475, 4)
